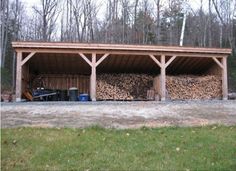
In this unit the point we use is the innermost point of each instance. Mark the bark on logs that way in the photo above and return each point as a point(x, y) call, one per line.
point(123, 86)
point(191, 87)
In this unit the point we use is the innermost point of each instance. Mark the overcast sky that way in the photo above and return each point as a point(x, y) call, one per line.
point(195, 4)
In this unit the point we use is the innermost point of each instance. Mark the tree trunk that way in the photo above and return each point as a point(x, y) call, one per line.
point(210, 24)
point(135, 21)
point(158, 21)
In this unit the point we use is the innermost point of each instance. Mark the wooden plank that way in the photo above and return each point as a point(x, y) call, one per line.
point(170, 60)
point(91, 46)
point(18, 76)
point(176, 64)
point(194, 67)
point(25, 77)
point(101, 59)
point(224, 79)
point(182, 65)
point(163, 78)
point(155, 60)
point(119, 52)
point(93, 78)
point(106, 63)
point(27, 58)
point(127, 64)
point(144, 65)
point(120, 63)
point(218, 62)
point(64, 81)
point(114, 63)
point(85, 58)
point(206, 63)
point(189, 66)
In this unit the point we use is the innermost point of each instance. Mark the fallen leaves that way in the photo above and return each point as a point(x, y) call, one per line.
point(177, 149)
point(213, 127)
point(14, 142)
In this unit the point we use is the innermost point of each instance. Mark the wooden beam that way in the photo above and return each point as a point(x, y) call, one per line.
point(94, 46)
point(120, 52)
point(155, 60)
point(224, 79)
point(163, 78)
point(101, 59)
point(218, 62)
point(27, 58)
point(93, 78)
point(85, 58)
point(18, 76)
point(169, 61)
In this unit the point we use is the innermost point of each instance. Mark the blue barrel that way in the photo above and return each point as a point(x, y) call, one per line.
point(83, 97)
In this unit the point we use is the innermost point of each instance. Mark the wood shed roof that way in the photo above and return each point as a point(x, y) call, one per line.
point(60, 47)
point(59, 58)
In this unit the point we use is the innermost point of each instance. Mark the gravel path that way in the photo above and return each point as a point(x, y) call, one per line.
point(118, 114)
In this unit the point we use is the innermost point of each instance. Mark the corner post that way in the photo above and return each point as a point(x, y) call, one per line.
point(163, 78)
point(18, 76)
point(224, 79)
point(93, 78)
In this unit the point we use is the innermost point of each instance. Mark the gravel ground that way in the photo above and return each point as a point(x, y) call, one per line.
point(118, 114)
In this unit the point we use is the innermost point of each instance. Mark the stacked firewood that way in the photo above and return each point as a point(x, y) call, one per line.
point(193, 87)
point(123, 86)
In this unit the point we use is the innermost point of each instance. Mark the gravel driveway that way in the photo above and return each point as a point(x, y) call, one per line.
point(118, 114)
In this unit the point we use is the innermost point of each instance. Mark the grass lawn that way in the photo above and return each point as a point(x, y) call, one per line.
point(198, 148)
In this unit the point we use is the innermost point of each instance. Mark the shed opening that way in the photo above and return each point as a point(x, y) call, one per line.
point(131, 72)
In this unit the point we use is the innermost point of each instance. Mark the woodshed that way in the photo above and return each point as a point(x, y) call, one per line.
point(123, 72)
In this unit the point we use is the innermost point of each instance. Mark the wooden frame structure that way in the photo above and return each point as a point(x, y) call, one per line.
point(157, 53)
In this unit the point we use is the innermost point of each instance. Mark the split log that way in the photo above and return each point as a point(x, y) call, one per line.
point(192, 87)
point(123, 86)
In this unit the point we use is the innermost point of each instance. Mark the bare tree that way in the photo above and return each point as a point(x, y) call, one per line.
point(4, 29)
point(48, 12)
point(225, 13)
point(125, 20)
point(135, 19)
point(209, 24)
point(77, 11)
point(158, 28)
point(16, 9)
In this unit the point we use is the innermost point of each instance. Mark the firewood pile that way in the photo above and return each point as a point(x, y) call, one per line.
point(123, 86)
point(193, 87)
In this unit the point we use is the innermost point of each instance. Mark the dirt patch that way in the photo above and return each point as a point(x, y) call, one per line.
point(118, 114)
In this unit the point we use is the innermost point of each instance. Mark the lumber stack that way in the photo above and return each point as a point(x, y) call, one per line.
point(123, 86)
point(193, 87)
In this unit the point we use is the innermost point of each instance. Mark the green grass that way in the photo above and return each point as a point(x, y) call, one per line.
point(198, 148)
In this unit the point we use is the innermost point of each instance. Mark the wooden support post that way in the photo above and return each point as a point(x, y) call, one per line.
point(94, 63)
point(18, 76)
point(223, 66)
point(102, 59)
point(93, 78)
point(155, 60)
point(163, 78)
point(27, 58)
point(170, 60)
point(85, 58)
point(218, 62)
point(163, 65)
point(224, 79)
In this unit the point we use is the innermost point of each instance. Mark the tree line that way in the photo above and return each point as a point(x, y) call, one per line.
point(209, 23)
